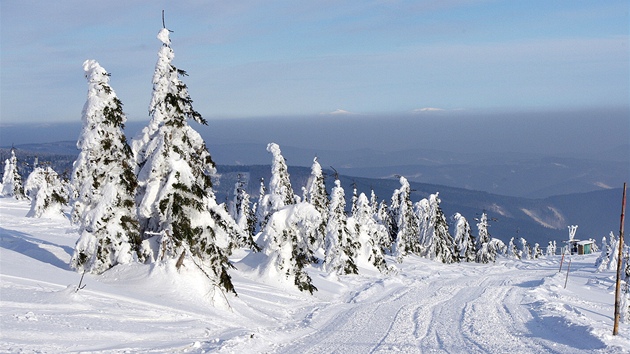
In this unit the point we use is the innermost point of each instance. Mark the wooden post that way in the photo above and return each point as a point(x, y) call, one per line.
point(619, 255)
point(567, 278)
point(561, 261)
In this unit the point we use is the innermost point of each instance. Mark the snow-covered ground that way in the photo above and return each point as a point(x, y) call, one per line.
point(509, 306)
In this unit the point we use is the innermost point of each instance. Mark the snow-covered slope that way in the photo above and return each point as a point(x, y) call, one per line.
point(509, 306)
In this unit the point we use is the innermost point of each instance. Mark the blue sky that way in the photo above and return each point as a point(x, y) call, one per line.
point(301, 58)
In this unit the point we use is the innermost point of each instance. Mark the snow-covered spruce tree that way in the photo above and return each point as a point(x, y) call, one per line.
point(339, 246)
point(464, 240)
point(163, 77)
point(486, 253)
point(103, 181)
point(285, 241)
point(316, 194)
point(435, 241)
point(512, 250)
point(11, 179)
point(47, 191)
point(280, 193)
point(382, 217)
point(604, 256)
point(607, 259)
point(369, 234)
point(403, 222)
point(176, 201)
point(355, 198)
point(260, 213)
point(551, 249)
point(243, 215)
point(537, 251)
point(525, 251)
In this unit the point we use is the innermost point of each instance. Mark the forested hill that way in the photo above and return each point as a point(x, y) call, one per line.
point(537, 220)
point(596, 213)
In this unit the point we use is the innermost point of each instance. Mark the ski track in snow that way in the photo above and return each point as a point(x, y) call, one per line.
point(510, 306)
point(438, 314)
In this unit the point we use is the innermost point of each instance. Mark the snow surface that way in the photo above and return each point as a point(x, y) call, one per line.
point(509, 306)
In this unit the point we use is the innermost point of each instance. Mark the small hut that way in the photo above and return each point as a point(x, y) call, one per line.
point(579, 246)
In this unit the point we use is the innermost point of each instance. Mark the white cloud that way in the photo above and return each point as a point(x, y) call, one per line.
point(340, 112)
point(428, 109)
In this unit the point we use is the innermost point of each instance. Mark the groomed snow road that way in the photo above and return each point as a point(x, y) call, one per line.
point(463, 309)
point(510, 306)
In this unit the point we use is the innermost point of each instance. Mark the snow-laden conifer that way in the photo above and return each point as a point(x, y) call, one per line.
point(537, 251)
point(284, 240)
point(316, 194)
point(369, 233)
point(243, 214)
point(163, 77)
point(260, 213)
point(609, 255)
point(11, 179)
point(176, 200)
point(551, 248)
point(47, 191)
point(525, 250)
point(435, 241)
point(103, 181)
point(381, 217)
point(487, 248)
point(464, 240)
point(280, 193)
point(601, 263)
point(340, 246)
point(512, 250)
point(403, 222)
point(280, 183)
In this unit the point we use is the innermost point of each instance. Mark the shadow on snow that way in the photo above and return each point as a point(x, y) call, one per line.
point(29, 246)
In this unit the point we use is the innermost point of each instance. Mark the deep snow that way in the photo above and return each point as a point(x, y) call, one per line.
point(509, 306)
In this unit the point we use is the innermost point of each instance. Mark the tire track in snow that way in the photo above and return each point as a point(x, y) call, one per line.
point(478, 312)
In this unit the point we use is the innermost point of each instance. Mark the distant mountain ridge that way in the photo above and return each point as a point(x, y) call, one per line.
point(535, 219)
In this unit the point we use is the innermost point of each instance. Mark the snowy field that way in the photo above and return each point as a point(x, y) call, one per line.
point(507, 307)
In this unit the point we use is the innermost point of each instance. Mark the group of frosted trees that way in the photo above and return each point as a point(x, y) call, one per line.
point(152, 201)
point(44, 187)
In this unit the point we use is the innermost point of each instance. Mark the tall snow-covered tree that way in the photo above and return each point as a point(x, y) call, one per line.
point(47, 191)
point(403, 222)
point(11, 179)
point(486, 248)
point(381, 217)
point(464, 240)
point(537, 251)
point(551, 248)
point(163, 77)
point(284, 240)
point(280, 193)
point(103, 181)
point(340, 247)
point(176, 200)
point(243, 214)
point(525, 250)
point(435, 241)
point(316, 194)
point(369, 233)
point(260, 213)
point(512, 250)
point(607, 259)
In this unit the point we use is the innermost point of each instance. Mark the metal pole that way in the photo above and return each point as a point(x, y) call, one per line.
point(561, 261)
point(567, 278)
point(619, 254)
